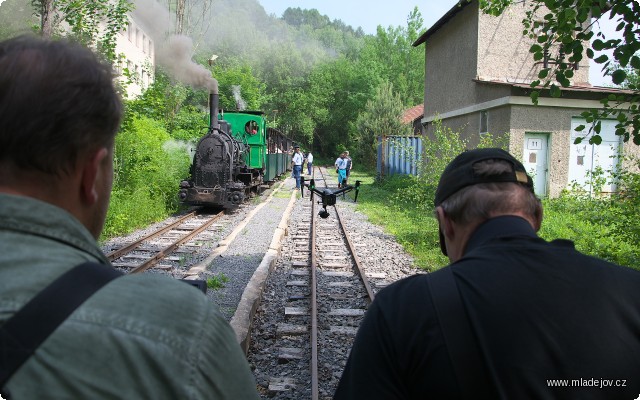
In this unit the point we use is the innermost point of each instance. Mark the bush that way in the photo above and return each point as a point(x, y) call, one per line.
point(148, 167)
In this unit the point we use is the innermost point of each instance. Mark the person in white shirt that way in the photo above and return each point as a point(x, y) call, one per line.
point(309, 162)
point(349, 163)
point(341, 169)
point(296, 164)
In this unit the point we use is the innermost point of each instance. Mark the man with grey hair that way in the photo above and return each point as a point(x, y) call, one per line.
point(70, 326)
point(512, 317)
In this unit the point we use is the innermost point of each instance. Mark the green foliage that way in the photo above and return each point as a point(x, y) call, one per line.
point(238, 84)
point(566, 25)
point(145, 156)
point(16, 17)
point(391, 54)
point(93, 23)
point(318, 73)
point(419, 192)
point(606, 227)
point(148, 164)
point(217, 281)
point(600, 227)
point(631, 74)
point(132, 209)
point(445, 145)
point(182, 111)
point(381, 116)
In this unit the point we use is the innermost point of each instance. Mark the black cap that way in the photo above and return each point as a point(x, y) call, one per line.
point(459, 173)
point(296, 147)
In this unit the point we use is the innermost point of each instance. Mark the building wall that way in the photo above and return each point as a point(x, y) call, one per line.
point(138, 51)
point(557, 123)
point(452, 49)
point(503, 51)
point(468, 124)
point(473, 47)
point(515, 120)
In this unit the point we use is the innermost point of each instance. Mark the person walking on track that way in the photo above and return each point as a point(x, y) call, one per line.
point(341, 169)
point(309, 163)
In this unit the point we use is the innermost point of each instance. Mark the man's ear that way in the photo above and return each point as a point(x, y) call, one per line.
point(537, 223)
point(446, 225)
point(443, 225)
point(90, 174)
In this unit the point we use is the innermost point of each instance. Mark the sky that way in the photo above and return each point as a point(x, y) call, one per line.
point(368, 14)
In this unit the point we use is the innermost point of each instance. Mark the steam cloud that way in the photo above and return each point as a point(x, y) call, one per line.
point(242, 105)
point(173, 52)
point(176, 56)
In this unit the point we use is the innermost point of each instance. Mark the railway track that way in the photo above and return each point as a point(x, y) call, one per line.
point(148, 251)
point(186, 247)
point(322, 301)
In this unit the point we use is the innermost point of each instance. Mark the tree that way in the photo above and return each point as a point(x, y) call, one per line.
point(568, 23)
point(397, 60)
point(382, 116)
point(633, 75)
point(16, 17)
point(94, 23)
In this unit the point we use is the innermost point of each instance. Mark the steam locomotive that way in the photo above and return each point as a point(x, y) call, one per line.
point(239, 155)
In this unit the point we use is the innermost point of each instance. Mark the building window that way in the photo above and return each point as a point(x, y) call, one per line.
point(484, 121)
point(130, 32)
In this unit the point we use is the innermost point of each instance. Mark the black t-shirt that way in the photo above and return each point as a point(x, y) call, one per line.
point(551, 323)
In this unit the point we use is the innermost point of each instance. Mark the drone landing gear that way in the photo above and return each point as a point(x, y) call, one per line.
point(327, 196)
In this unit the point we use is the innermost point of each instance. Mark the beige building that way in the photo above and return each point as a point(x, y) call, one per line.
point(137, 54)
point(478, 71)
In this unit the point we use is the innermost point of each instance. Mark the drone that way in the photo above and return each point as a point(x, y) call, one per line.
point(327, 196)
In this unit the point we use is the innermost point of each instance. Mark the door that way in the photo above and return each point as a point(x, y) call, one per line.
point(535, 159)
point(587, 161)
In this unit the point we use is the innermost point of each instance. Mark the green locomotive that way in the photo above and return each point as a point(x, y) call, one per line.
point(238, 155)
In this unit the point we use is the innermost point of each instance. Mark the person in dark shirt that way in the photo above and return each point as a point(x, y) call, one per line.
point(512, 317)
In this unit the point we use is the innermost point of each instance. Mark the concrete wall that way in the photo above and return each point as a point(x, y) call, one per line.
point(557, 123)
point(503, 51)
point(515, 120)
point(451, 49)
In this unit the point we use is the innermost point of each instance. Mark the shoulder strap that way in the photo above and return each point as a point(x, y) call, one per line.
point(461, 345)
point(21, 335)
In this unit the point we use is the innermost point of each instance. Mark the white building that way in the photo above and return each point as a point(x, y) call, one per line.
point(136, 53)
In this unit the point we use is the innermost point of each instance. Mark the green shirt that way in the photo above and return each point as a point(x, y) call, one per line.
point(139, 337)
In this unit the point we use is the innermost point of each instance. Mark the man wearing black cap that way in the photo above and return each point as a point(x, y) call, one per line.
point(512, 316)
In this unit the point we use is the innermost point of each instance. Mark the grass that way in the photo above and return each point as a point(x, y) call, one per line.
point(217, 281)
point(594, 225)
point(417, 232)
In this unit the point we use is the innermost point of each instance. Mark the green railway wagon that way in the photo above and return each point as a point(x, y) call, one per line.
point(278, 154)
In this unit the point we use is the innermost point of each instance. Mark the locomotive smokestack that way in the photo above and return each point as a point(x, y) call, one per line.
point(213, 110)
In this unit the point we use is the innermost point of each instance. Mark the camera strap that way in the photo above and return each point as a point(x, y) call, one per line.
point(28, 328)
point(462, 348)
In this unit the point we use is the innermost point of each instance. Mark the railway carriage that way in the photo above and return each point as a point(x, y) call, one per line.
point(237, 156)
